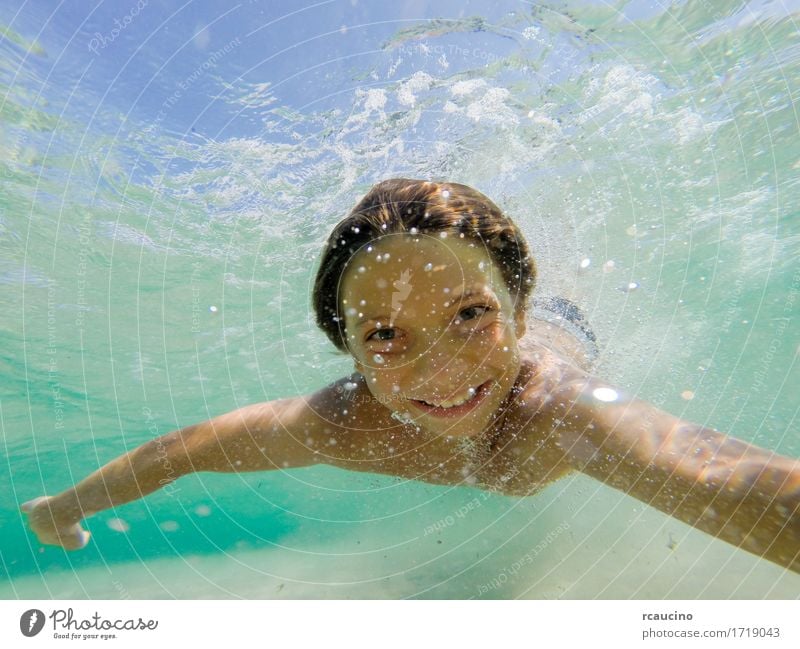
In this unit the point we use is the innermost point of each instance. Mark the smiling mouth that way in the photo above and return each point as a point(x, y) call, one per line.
point(458, 405)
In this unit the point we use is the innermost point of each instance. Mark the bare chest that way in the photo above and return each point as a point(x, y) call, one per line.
point(516, 456)
point(511, 461)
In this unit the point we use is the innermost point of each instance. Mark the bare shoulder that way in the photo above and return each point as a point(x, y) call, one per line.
point(544, 374)
point(526, 455)
point(345, 425)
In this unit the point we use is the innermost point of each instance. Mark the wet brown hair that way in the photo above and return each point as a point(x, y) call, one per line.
point(398, 205)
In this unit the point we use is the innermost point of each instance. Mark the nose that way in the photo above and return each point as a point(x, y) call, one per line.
point(440, 367)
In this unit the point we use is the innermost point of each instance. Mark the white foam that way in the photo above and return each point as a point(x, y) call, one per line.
point(491, 108)
point(375, 100)
point(418, 82)
point(466, 87)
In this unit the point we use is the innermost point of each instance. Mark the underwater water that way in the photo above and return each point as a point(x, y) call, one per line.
point(170, 172)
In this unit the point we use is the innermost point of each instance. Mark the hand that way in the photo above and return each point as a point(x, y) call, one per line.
point(50, 531)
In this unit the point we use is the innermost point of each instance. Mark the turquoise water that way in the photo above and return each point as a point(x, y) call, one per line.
point(167, 186)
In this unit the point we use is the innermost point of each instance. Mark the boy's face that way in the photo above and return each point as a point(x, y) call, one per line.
point(432, 327)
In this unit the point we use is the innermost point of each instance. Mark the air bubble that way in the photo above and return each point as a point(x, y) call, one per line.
point(118, 525)
point(605, 394)
point(403, 418)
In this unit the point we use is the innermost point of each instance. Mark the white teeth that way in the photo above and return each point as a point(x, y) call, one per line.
point(458, 401)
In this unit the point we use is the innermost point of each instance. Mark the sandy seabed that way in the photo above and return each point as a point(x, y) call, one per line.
point(614, 549)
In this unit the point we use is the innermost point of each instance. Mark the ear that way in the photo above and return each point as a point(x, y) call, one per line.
point(521, 323)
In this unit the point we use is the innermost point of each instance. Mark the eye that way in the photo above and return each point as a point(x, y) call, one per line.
point(472, 312)
point(382, 335)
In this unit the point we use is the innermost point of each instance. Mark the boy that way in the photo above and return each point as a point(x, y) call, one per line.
point(426, 285)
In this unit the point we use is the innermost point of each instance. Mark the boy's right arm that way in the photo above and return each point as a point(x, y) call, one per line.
point(259, 437)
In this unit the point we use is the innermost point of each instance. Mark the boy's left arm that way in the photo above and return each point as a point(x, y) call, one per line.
point(745, 495)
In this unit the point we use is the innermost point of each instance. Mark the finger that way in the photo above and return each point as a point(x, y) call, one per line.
point(84, 537)
point(77, 540)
